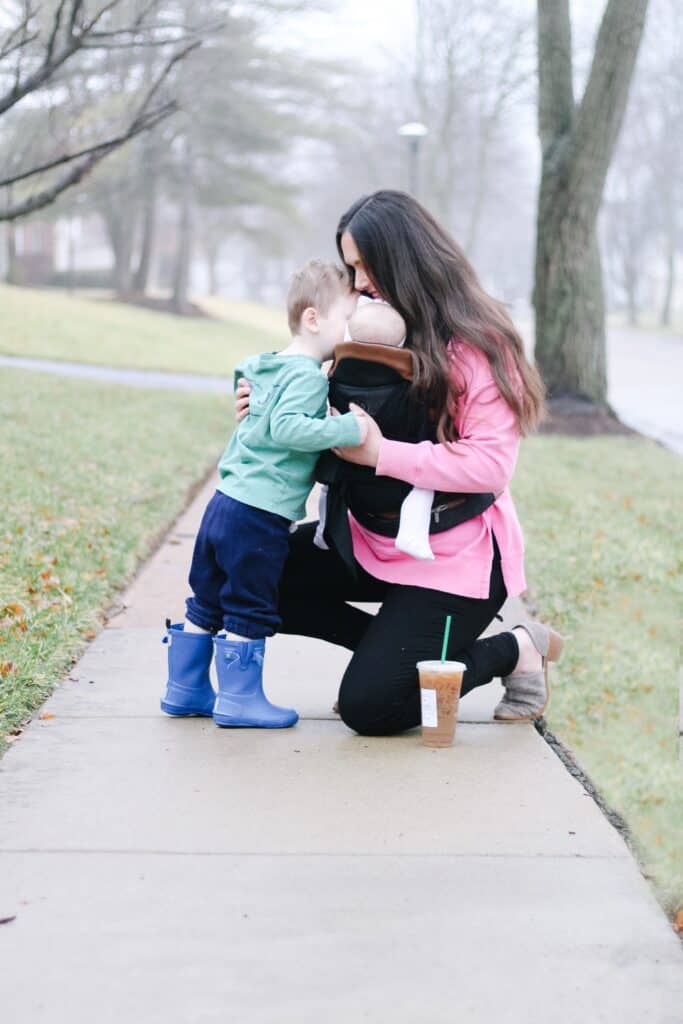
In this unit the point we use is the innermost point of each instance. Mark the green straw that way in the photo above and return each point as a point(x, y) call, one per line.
point(446, 634)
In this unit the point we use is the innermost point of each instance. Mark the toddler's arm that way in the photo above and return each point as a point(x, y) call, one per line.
point(295, 423)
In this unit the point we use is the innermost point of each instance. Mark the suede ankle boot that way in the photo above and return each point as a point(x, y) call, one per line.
point(241, 700)
point(527, 693)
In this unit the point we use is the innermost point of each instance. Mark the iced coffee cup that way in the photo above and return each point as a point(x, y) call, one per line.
point(440, 683)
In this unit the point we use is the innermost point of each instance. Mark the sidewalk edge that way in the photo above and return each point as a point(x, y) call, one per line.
point(613, 817)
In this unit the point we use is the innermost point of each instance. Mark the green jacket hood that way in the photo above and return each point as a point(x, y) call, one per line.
point(262, 368)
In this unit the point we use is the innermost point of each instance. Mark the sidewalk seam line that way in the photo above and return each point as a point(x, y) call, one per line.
point(307, 853)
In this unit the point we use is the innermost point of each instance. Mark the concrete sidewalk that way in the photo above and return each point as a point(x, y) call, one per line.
point(165, 870)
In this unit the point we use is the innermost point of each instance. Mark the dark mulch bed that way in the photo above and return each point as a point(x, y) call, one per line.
point(580, 417)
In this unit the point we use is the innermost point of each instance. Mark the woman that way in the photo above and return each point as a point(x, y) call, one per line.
point(469, 366)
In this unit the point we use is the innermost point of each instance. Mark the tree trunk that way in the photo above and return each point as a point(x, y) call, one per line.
point(120, 232)
point(577, 146)
point(570, 315)
point(123, 249)
point(13, 275)
point(211, 248)
point(665, 315)
point(631, 285)
point(181, 275)
point(149, 223)
point(149, 217)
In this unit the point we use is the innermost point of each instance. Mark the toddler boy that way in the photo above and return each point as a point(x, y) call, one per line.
point(266, 474)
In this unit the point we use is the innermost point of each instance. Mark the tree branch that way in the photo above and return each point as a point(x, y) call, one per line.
point(143, 121)
point(11, 43)
point(601, 111)
point(56, 25)
point(555, 89)
point(76, 174)
point(77, 4)
point(41, 75)
point(76, 38)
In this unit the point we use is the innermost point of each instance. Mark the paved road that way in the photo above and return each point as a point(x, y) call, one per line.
point(645, 370)
point(132, 378)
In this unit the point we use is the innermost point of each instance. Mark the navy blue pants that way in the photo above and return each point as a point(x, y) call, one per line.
point(238, 558)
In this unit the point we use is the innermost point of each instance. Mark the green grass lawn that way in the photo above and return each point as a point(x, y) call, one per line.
point(51, 324)
point(91, 473)
point(604, 557)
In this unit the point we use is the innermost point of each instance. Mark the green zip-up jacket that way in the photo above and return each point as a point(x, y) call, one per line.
point(270, 459)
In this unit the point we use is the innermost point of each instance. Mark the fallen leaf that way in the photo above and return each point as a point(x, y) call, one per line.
point(678, 920)
point(47, 714)
point(6, 920)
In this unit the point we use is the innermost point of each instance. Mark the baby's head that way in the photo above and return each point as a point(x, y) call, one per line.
point(377, 323)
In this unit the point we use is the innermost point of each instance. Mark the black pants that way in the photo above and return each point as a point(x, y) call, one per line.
point(379, 693)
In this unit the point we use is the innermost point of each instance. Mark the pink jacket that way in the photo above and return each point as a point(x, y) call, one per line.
point(483, 459)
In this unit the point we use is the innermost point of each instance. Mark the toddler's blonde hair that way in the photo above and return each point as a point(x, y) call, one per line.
point(317, 285)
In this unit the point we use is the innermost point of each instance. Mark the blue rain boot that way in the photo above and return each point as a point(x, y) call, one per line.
point(241, 700)
point(189, 690)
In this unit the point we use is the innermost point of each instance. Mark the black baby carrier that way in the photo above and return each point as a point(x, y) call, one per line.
point(379, 379)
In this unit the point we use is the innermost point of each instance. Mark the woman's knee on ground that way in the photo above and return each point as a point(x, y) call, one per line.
point(377, 710)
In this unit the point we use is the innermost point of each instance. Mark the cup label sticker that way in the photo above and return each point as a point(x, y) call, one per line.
point(429, 716)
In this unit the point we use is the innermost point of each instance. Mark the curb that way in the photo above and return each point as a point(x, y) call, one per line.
point(615, 819)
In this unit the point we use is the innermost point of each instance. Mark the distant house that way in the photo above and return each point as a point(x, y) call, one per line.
point(29, 252)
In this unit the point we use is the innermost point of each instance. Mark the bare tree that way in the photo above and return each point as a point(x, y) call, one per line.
point(628, 225)
point(473, 61)
point(36, 53)
point(666, 151)
point(577, 144)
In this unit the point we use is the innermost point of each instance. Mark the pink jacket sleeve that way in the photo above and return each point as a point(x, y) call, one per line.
point(484, 457)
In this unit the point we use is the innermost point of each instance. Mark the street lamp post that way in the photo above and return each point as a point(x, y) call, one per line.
point(414, 132)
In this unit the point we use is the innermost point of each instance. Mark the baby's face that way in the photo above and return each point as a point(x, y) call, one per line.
point(376, 323)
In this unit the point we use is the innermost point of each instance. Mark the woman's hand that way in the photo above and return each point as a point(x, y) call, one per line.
point(242, 399)
point(366, 453)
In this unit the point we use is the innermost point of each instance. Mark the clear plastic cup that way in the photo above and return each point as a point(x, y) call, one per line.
point(440, 685)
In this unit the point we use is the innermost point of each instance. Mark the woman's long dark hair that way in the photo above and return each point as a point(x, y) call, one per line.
point(424, 274)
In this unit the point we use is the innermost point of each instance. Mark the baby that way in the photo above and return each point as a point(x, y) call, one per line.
point(375, 322)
